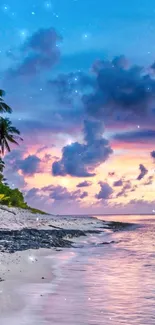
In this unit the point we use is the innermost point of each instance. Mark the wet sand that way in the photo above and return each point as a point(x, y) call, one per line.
point(27, 275)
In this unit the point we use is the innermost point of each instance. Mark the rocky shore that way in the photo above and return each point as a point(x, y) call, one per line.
point(33, 249)
point(21, 230)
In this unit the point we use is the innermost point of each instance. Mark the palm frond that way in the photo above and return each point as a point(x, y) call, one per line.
point(8, 133)
point(11, 139)
point(7, 145)
point(5, 108)
point(2, 93)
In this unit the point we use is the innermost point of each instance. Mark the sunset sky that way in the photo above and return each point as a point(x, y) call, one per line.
point(80, 77)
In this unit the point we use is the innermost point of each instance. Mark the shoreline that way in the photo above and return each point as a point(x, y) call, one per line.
point(30, 247)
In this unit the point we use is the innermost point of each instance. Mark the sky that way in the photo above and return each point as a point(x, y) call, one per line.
point(80, 77)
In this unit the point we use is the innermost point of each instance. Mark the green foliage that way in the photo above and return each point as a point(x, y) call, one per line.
point(9, 135)
point(3, 198)
point(33, 210)
point(12, 197)
point(4, 108)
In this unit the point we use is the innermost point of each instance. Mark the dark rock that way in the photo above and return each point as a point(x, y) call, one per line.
point(24, 239)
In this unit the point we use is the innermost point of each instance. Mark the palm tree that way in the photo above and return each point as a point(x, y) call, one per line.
point(8, 134)
point(2, 165)
point(4, 108)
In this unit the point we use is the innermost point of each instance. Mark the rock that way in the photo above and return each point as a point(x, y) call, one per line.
point(24, 239)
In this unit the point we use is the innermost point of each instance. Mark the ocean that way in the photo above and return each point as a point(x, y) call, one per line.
point(106, 279)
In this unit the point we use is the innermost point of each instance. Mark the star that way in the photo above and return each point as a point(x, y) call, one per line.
point(56, 15)
point(48, 5)
point(23, 33)
point(5, 8)
point(33, 13)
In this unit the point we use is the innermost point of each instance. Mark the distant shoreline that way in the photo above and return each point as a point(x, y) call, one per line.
point(110, 214)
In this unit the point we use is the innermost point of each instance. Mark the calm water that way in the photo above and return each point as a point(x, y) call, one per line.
point(107, 284)
point(99, 284)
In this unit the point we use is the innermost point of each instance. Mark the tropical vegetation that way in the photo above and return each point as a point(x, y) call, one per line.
point(9, 135)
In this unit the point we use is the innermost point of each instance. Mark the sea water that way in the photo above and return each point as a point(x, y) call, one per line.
point(106, 279)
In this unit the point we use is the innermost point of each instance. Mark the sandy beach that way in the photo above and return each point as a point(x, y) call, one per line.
point(24, 268)
point(75, 270)
point(33, 251)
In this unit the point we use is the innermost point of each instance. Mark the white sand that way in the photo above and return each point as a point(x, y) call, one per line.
point(23, 218)
point(21, 268)
point(23, 271)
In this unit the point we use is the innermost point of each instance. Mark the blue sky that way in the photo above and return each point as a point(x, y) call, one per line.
point(112, 27)
point(64, 74)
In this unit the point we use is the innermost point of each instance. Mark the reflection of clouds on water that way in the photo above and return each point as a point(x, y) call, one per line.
point(112, 280)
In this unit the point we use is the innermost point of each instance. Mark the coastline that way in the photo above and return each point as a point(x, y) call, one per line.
point(30, 245)
point(20, 265)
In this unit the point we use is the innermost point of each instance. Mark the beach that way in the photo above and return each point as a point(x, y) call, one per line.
point(21, 265)
point(93, 271)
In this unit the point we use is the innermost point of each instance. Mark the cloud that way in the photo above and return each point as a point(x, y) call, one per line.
point(127, 187)
point(105, 192)
point(69, 88)
point(122, 193)
point(118, 183)
point(149, 181)
point(31, 193)
point(80, 160)
point(135, 136)
point(59, 193)
point(39, 53)
point(152, 154)
point(120, 88)
point(143, 172)
point(84, 184)
point(111, 174)
point(28, 166)
point(83, 195)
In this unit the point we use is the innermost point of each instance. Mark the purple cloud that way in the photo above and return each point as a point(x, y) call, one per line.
point(136, 136)
point(143, 172)
point(118, 183)
point(105, 192)
point(83, 195)
point(40, 52)
point(58, 193)
point(80, 160)
point(120, 87)
point(84, 184)
point(149, 181)
point(153, 154)
point(29, 165)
